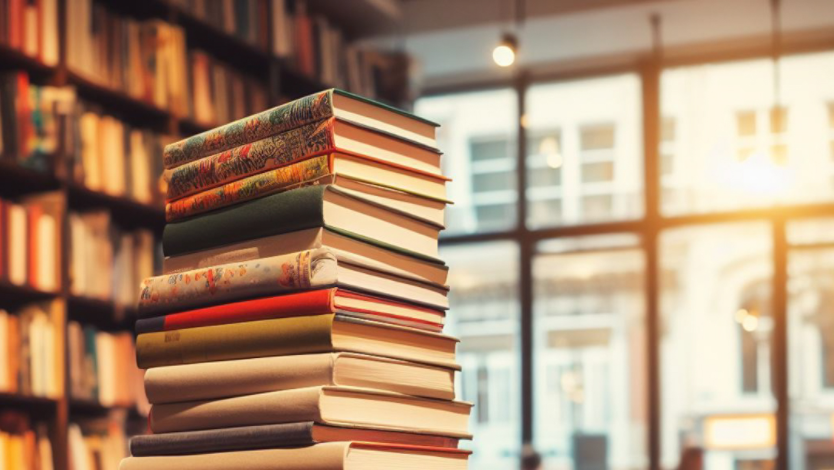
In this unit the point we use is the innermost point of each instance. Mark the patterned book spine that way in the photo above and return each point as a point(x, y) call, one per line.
point(235, 281)
point(262, 184)
point(250, 159)
point(249, 129)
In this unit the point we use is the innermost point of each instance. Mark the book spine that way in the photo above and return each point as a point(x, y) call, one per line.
point(236, 281)
point(298, 209)
point(252, 187)
point(249, 129)
point(223, 440)
point(294, 305)
point(249, 159)
point(265, 338)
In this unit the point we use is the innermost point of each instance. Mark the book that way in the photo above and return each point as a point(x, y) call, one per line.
point(221, 379)
point(297, 144)
point(345, 406)
point(299, 209)
point(294, 335)
point(346, 248)
point(326, 456)
point(103, 370)
point(96, 444)
point(305, 270)
point(270, 436)
point(107, 262)
point(218, 93)
point(311, 171)
point(317, 302)
point(306, 110)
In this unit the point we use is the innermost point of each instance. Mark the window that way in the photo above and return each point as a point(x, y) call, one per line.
point(811, 340)
point(584, 151)
point(590, 355)
point(477, 136)
point(715, 341)
point(484, 314)
point(736, 150)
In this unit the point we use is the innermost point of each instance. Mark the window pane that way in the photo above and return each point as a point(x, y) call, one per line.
point(715, 347)
point(484, 314)
point(590, 363)
point(811, 343)
point(597, 172)
point(478, 138)
point(734, 150)
point(596, 147)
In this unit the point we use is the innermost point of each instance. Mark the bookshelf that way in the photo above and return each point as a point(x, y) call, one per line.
point(282, 81)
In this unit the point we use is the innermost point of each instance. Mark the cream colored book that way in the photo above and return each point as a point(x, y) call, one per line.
point(211, 380)
point(338, 406)
point(346, 249)
point(326, 456)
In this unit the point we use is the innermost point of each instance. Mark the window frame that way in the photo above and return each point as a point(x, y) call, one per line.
point(648, 227)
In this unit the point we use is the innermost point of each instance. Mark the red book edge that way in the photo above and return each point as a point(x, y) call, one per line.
point(315, 302)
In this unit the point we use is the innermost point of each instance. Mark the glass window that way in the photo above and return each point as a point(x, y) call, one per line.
point(484, 314)
point(478, 138)
point(716, 326)
point(589, 347)
point(735, 149)
point(584, 153)
point(811, 342)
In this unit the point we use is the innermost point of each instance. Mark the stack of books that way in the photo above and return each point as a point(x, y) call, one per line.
point(298, 323)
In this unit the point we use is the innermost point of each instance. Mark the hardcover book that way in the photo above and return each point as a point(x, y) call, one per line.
point(295, 114)
point(309, 140)
point(312, 171)
point(299, 209)
point(305, 270)
point(327, 456)
point(271, 436)
point(339, 406)
point(221, 379)
point(346, 248)
point(317, 302)
point(295, 335)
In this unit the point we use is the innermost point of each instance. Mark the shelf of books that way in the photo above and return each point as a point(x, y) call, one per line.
point(91, 92)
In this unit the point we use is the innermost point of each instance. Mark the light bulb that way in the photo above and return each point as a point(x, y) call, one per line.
point(503, 55)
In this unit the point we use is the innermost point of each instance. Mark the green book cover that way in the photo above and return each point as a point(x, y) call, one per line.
point(285, 212)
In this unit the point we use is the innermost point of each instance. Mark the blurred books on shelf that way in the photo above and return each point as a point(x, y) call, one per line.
point(221, 94)
point(30, 241)
point(30, 362)
point(24, 444)
point(31, 117)
point(102, 368)
point(96, 444)
point(107, 155)
point(143, 59)
point(242, 19)
point(31, 28)
point(107, 263)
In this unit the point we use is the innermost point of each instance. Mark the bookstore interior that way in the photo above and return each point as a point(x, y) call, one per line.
point(416, 234)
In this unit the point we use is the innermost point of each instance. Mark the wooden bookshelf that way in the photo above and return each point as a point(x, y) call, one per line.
point(358, 18)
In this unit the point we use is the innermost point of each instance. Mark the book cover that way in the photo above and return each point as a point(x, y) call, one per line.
point(249, 129)
point(235, 281)
point(297, 210)
point(224, 440)
point(279, 337)
point(300, 304)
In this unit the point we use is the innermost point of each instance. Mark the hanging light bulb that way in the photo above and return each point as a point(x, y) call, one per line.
point(504, 53)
